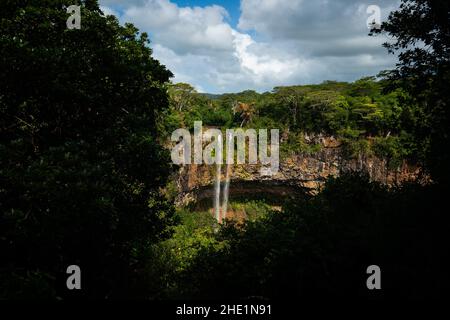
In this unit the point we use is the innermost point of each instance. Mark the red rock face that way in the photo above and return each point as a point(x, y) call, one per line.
point(308, 171)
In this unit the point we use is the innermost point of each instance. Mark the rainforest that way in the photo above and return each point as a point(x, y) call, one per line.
point(87, 178)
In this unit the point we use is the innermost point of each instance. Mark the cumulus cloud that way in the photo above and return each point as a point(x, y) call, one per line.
point(276, 42)
point(317, 28)
point(184, 30)
point(313, 20)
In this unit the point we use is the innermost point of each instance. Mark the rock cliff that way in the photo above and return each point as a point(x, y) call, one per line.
point(310, 171)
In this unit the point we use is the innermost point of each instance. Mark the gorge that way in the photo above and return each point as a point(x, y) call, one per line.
point(198, 184)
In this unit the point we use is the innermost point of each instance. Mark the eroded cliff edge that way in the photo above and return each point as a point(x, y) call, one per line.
point(301, 171)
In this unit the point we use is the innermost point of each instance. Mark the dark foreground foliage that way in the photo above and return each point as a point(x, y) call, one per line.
point(80, 166)
point(81, 170)
point(321, 246)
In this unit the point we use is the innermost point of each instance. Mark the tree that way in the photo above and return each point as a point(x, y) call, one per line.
point(80, 167)
point(182, 95)
point(421, 32)
point(246, 111)
point(319, 247)
point(291, 97)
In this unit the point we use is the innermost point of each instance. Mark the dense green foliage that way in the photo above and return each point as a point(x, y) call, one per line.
point(421, 29)
point(84, 179)
point(80, 168)
point(321, 246)
point(360, 114)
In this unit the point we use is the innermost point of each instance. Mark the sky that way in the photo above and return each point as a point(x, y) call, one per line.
point(221, 46)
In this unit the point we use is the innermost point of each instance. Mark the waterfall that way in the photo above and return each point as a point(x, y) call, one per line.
point(227, 183)
point(217, 184)
point(217, 191)
point(225, 192)
point(221, 211)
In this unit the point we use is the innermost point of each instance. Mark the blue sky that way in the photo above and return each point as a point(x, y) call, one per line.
point(228, 46)
point(232, 6)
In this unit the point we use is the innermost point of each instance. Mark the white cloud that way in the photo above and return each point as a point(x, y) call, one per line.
point(257, 58)
point(184, 30)
point(303, 42)
point(303, 20)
